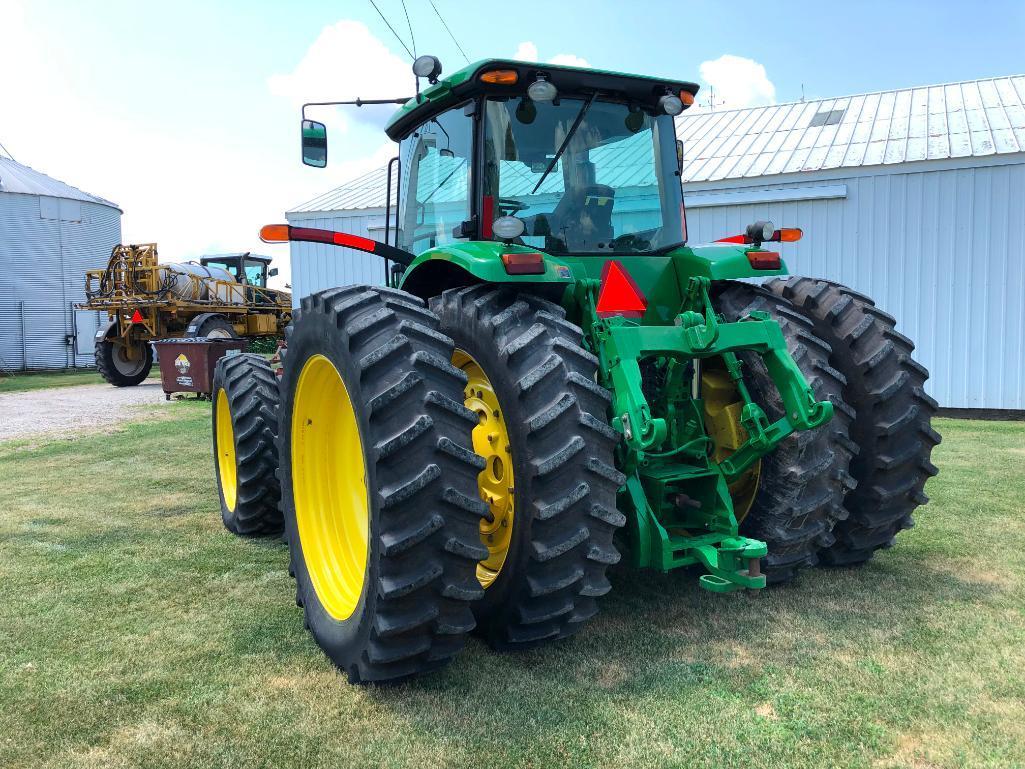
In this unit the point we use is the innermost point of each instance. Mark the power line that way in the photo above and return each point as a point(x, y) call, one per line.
point(401, 41)
point(411, 36)
point(6, 152)
point(442, 20)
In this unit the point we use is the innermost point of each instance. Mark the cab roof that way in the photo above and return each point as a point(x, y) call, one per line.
point(466, 82)
point(244, 254)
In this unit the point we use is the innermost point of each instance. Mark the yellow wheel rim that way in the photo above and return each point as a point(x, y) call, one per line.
point(495, 481)
point(329, 486)
point(723, 405)
point(226, 468)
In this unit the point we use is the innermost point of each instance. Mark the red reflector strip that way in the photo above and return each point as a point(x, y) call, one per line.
point(282, 233)
point(137, 317)
point(355, 241)
point(764, 260)
point(619, 293)
point(530, 263)
point(487, 215)
point(311, 235)
point(734, 239)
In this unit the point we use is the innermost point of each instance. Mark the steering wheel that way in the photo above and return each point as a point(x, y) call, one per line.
point(630, 241)
point(512, 205)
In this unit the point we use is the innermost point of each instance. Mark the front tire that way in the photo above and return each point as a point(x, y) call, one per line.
point(561, 450)
point(893, 415)
point(378, 483)
point(116, 368)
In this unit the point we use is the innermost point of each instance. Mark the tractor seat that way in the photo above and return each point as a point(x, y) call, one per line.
point(595, 219)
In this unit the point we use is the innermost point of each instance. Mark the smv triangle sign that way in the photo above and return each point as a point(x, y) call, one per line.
point(619, 294)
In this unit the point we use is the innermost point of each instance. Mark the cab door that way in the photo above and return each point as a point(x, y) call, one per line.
point(435, 192)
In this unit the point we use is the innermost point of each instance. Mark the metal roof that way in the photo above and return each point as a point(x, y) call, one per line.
point(367, 191)
point(20, 179)
point(973, 118)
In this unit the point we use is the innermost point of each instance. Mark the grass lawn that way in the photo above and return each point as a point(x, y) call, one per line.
point(135, 631)
point(37, 380)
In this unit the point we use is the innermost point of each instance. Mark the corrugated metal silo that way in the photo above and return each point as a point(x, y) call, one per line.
point(50, 234)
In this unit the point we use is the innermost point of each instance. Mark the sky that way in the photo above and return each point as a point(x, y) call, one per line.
point(186, 114)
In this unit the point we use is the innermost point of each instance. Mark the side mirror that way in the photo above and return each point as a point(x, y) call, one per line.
point(272, 272)
point(314, 141)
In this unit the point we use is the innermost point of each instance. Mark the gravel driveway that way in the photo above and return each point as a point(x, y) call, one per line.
point(69, 410)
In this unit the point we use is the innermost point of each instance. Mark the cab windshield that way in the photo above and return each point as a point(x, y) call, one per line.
point(614, 187)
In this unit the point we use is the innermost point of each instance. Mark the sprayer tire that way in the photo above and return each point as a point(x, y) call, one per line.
point(251, 396)
point(405, 399)
point(217, 327)
point(112, 372)
point(561, 448)
point(803, 481)
point(893, 414)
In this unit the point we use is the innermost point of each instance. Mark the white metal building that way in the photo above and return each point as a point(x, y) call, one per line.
point(357, 208)
point(915, 197)
point(50, 234)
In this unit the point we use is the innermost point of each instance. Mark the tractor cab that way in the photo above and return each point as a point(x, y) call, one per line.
point(251, 269)
point(561, 159)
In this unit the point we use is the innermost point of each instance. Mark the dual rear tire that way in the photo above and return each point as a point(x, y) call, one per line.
point(245, 426)
point(885, 389)
point(373, 412)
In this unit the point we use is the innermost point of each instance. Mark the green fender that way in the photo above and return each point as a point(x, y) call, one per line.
point(474, 262)
point(463, 263)
point(719, 261)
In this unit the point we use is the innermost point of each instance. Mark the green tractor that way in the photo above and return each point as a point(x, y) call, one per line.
point(552, 378)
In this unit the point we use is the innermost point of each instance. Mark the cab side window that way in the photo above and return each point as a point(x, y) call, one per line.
point(435, 190)
point(231, 267)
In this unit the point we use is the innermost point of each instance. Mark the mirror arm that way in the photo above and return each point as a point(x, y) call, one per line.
point(358, 102)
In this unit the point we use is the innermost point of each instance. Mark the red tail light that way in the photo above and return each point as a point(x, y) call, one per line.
point(619, 294)
point(764, 260)
point(530, 263)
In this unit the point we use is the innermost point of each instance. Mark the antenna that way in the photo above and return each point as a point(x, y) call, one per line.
point(454, 40)
point(388, 24)
point(710, 102)
point(410, 25)
point(7, 153)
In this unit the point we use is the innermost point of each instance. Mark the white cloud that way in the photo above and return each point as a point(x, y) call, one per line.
point(737, 82)
point(344, 62)
point(568, 60)
point(527, 51)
